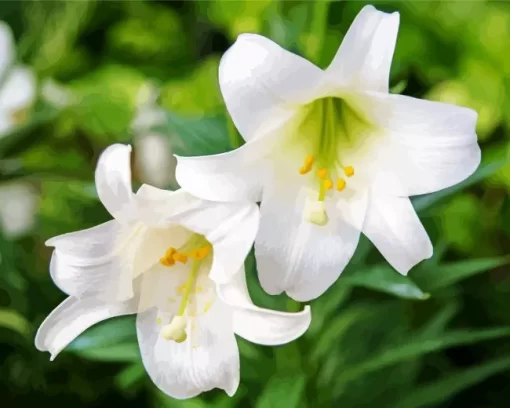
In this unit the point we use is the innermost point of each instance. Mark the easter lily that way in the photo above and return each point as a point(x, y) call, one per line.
point(330, 154)
point(176, 261)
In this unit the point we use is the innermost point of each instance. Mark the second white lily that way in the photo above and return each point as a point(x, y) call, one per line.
point(175, 260)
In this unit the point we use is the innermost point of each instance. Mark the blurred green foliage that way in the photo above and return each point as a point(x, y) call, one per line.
point(437, 338)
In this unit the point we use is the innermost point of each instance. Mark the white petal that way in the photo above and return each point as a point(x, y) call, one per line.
point(72, 317)
point(394, 228)
point(95, 262)
point(208, 359)
point(363, 61)
point(427, 146)
point(262, 83)
point(299, 257)
point(258, 325)
point(18, 91)
point(113, 182)
point(233, 176)
point(6, 47)
point(229, 227)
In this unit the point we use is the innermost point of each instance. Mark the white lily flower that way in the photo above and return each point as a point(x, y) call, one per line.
point(18, 201)
point(177, 261)
point(331, 153)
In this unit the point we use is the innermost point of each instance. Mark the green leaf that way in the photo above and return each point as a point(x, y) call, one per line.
point(113, 340)
point(423, 203)
point(283, 390)
point(438, 392)
point(117, 352)
point(417, 347)
point(196, 135)
point(440, 276)
point(12, 320)
point(384, 279)
point(131, 375)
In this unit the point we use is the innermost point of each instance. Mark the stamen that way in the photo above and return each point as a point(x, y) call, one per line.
point(349, 171)
point(201, 253)
point(307, 165)
point(328, 184)
point(168, 259)
point(340, 184)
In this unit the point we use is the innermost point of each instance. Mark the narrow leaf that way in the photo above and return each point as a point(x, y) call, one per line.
point(385, 279)
point(437, 392)
point(283, 390)
point(440, 276)
point(417, 347)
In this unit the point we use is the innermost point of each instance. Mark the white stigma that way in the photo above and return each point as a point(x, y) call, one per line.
point(315, 212)
point(176, 330)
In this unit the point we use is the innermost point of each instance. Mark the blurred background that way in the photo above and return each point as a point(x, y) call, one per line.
point(145, 72)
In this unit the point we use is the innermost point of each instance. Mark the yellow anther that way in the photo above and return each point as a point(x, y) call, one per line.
point(349, 171)
point(166, 261)
point(340, 184)
point(307, 165)
point(178, 257)
point(158, 320)
point(328, 184)
point(201, 253)
point(322, 173)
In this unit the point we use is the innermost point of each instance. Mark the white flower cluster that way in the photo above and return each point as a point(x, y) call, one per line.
point(329, 154)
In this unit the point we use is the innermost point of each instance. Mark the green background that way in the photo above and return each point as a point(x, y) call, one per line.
point(440, 338)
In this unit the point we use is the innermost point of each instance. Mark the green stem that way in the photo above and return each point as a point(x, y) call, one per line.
point(189, 284)
point(318, 30)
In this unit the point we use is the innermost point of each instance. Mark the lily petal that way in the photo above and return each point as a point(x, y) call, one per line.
point(394, 228)
point(229, 227)
point(94, 262)
point(363, 60)
point(262, 83)
point(233, 176)
point(18, 91)
point(258, 325)
point(113, 182)
point(299, 257)
point(72, 317)
point(208, 359)
point(429, 145)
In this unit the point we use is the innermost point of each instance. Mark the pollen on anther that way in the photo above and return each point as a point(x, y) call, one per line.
point(349, 171)
point(322, 173)
point(340, 184)
point(165, 261)
point(178, 257)
point(328, 184)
